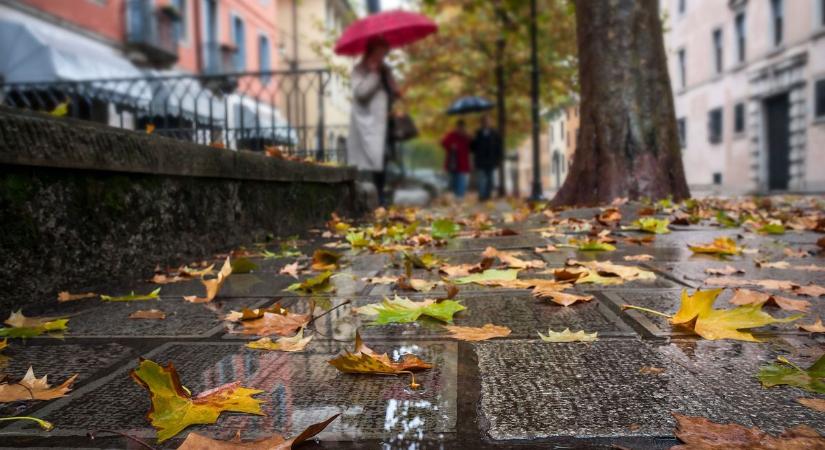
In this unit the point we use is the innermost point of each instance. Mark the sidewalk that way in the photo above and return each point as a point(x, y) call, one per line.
point(491, 394)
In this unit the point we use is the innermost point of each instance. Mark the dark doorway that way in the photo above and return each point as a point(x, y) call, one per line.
point(777, 111)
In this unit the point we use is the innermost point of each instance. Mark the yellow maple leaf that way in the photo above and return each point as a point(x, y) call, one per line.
point(562, 298)
point(719, 246)
point(33, 388)
point(212, 285)
point(173, 407)
point(488, 331)
point(285, 344)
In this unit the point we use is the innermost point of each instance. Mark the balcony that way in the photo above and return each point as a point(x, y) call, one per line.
point(219, 61)
point(151, 32)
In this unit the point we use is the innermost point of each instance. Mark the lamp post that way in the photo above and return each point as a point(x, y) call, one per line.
point(536, 191)
point(500, 98)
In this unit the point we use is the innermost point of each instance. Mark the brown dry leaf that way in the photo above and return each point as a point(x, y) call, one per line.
point(195, 441)
point(727, 270)
point(148, 314)
point(281, 324)
point(162, 278)
point(366, 361)
point(32, 388)
point(791, 253)
point(748, 297)
point(546, 249)
point(380, 280)
point(511, 261)
point(292, 270)
point(212, 285)
point(816, 327)
point(642, 257)
point(772, 265)
point(821, 242)
point(699, 433)
point(295, 343)
point(414, 284)
point(643, 240)
point(562, 298)
point(65, 296)
point(651, 370)
point(811, 290)
point(773, 285)
point(817, 404)
point(257, 313)
point(610, 216)
point(488, 331)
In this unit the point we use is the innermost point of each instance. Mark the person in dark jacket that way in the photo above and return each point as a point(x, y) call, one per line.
point(487, 153)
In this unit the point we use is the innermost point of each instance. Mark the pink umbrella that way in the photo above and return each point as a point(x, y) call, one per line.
point(398, 28)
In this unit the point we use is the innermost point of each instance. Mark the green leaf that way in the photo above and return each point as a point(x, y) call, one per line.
point(590, 246)
point(358, 239)
point(772, 228)
point(315, 285)
point(650, 225)
point(27, 332)
point(811, 379)
point(404, 310)
point(725, 220)
point(425, 261)
point(444, 229)
point(243, 265)
point(154, 295)
point(489, 276)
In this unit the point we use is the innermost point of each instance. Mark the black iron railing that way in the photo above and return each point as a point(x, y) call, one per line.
point(252, 110)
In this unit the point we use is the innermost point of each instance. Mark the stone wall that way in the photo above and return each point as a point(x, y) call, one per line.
point(83, 204)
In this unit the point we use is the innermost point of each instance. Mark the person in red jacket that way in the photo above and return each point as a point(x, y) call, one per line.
point(457, 163)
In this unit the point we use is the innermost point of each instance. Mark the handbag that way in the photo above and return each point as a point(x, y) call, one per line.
point(403, 127)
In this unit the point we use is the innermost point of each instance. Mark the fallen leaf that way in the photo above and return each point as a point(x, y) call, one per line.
point(771, 228)
point(292, 270)
point(748, 297)
point(511, 261)
point(323, 260)
point(415, 284)
point(816, 327)
point(488, 331)
point(699, 433)
point(404, 310)
point(257, 313)
point(651, 371)
point(772, 265)
point(489, 277)
point(641, 257)
point(315, 285)
point(609, 216)
point(546, 249)
point(773, 285)
point(817, 404)
point(641, 240)
point(567, 336)
point(601, 272)
point(426, 261)
point(719, 246)
point(444, 229)
point(212, 285)
point(650, 225)
point(562, 298)
point(173, 407)
point(727, 270)
point(283, 323)
point(366, 361)
point(61, 109)
point(811, 290)
point(148, 314)
point(295, 343)
point(154, 295)
point(787, 373)
point(380, 280)
point(791, 253)
point(33, 388)
point(195, 441)
point(65, 296)
point(595, 246)
point(20, 326)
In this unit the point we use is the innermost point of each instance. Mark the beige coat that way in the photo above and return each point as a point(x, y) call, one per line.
point(367, 138)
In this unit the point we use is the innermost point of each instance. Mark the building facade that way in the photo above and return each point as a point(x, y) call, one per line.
point(749, 84)
point(557, 144)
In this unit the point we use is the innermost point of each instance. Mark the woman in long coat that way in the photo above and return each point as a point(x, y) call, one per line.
point(372, 90)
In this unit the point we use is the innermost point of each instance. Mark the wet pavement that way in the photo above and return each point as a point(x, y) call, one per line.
point(513, 392)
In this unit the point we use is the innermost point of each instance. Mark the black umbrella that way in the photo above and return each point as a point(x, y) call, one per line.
point(470, 104)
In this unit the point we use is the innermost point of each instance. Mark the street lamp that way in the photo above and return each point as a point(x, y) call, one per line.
point(536, 192)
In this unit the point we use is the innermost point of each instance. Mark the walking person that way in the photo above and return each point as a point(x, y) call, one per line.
point(487, 152)
point(373, 91)
point(457, 162)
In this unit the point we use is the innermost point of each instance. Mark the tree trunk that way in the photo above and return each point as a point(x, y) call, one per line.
point(628, 144)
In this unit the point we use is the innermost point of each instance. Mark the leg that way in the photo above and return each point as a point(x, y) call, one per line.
point(461, 184)
point(379, 179)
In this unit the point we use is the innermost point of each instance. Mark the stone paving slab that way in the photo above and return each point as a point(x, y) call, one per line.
point(499, 242)
point(668, 301)
point(300, 389)
point(536, 390)
point(693, 272)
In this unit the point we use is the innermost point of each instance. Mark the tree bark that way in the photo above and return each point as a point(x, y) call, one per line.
point(628, 144)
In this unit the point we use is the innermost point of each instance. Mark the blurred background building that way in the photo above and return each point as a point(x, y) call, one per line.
point(749, 83)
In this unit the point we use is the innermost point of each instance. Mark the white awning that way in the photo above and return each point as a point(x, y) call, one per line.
point(34, 50)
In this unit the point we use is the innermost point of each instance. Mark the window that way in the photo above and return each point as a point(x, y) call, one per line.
point(822, 13)
point(239, 37)
point(181, 25)
point(264, 58)
point(740, 37)
point(682, 68)
point(739, 118)
point(682, 6)
point(777, 20)
point(717, 50)
point(717, 178)
point(715, 126)
point(681, 126)
point(819, 99)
